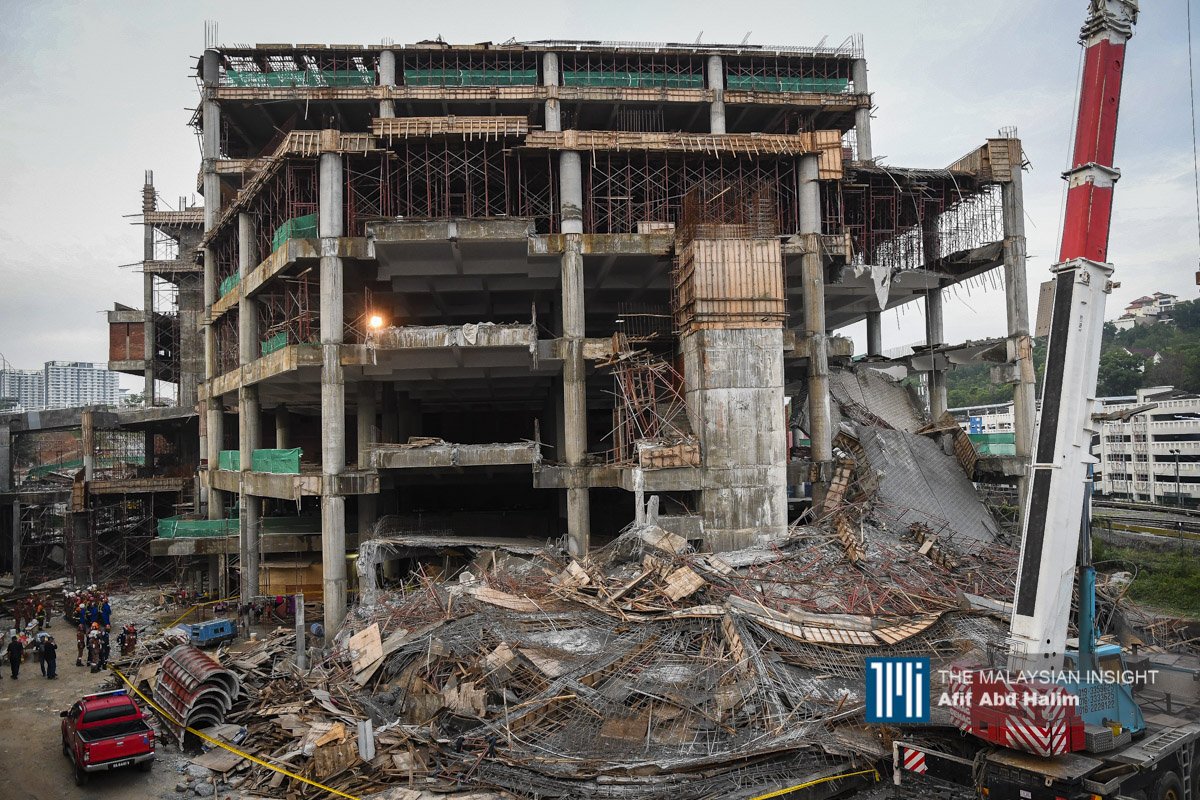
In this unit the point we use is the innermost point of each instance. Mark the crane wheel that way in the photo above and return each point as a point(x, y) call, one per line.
point(1168, 787)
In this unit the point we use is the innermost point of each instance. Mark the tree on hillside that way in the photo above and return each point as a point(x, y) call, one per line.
point(1120, 373)
point(1180, 368)
point(1186, 315)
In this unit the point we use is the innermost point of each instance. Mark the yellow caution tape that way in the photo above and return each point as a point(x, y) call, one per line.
point(179, 619)
point(807, 784)
point(228, 747)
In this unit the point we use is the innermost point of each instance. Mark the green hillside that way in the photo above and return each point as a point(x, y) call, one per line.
point(1121, 372)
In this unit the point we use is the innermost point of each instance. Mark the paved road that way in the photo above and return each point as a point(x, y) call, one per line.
point(31, 759)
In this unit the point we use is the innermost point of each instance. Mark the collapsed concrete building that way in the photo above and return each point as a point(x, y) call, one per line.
point(512, 290)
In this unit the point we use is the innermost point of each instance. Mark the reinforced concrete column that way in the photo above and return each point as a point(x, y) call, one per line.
point(148, 205)
point(389, 424)
point(210, 148)
point(367, 436)
point(574, 369)
point(935, 336)
point(1016, 303)
point(387, 79)
point(862, 116)
point(87, 435)
point(283, 424)
point(6, 480)
point(812, 279)
point(550, 77)
point(333, 394)
point(716, 84)
point(249, 418)
point(874, 333)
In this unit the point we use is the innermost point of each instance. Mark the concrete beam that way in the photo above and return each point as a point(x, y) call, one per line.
point(450, 455)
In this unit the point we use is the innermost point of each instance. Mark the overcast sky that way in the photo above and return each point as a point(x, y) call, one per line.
point(92, 94)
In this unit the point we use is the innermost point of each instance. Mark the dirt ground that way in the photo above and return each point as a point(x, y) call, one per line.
point(31, 759)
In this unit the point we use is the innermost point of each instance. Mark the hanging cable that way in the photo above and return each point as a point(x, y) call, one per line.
point(1192, 98)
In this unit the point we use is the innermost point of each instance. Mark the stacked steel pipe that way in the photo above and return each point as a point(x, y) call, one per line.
point(195, 689)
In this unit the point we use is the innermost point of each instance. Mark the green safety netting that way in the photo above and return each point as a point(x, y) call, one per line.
point(762, 83)
point(228, 284)
point(182, 528)
point(273, 343)
point(470, 77)
point(634, 79)
point(299, 77)
point(280, 462)
point(995, 444)
point(304, 227)
point(187, 528)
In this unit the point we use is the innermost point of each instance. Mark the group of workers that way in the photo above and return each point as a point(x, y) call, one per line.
point(45, 650)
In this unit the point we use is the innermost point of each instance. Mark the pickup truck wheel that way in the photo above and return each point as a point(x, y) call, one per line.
point(146, 766)
point(66, 750)
point(1168, 787)
point(81, 777)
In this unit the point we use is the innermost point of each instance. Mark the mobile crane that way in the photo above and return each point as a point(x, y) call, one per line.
point(1062, 722)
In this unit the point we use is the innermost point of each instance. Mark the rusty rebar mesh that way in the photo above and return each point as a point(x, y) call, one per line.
point(649, 409)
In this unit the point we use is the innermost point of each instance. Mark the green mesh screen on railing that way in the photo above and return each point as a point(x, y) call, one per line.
point(470, 77)
point(280, 462)
point(230, 460)
point(764, 83)
point(228, 284)
point(273, 343)
point(632, 79)
point(995, 444)
point(304, 227)
point(183, 528)
point(299, 77)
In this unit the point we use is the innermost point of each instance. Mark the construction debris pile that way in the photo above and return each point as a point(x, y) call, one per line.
point(648, 671)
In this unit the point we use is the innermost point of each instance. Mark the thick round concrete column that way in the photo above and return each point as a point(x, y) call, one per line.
point(283, 424)
point(387, 78)
point(210, 150)
point(249, 416)
point(716, 84)
point(574, 369)
point(874, 333)
point(935, 336)
point(333, 393)
point(812, 279)
point(365, 422)
point(550, 77)
point(862, 116)
point(1016, 303)
point(149, 203)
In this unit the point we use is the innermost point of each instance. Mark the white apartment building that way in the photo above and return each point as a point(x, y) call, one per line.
point(22, 389)
point(78, 383)
point(1155, 456)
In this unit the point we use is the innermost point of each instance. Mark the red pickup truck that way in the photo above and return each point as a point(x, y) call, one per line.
point(106, 731)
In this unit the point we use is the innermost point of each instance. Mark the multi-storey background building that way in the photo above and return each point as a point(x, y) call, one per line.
point(1154, 456)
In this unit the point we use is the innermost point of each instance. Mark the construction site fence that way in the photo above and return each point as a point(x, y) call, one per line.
point(280, 462)
point(299, 77)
